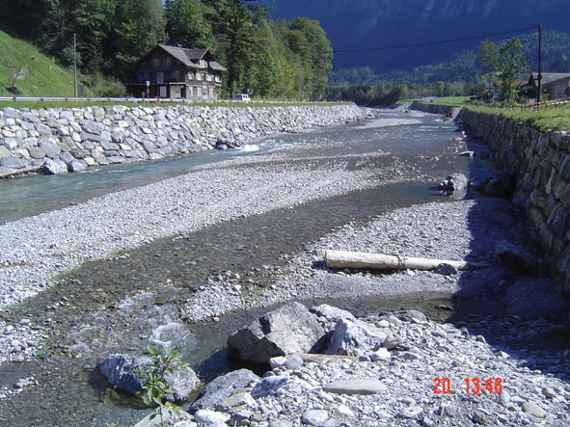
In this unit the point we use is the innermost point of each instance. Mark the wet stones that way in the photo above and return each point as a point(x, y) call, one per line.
point(456, 185)
point(128, 373)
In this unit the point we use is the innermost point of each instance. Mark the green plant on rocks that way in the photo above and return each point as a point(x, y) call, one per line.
point(156, 389)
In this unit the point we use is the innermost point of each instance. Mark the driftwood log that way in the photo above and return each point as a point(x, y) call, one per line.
point(366, 261)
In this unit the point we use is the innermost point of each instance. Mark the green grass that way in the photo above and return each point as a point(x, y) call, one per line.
point(452, 101)
point(44, 77)
point(212, 104)
point(549, 118)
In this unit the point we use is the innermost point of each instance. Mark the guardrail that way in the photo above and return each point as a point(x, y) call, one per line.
point(152, 100)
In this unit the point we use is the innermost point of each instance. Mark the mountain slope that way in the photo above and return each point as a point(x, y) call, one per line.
point(373, 23)
point(42, 75)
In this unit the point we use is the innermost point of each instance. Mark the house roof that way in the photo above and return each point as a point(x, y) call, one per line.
point(217, 66)
point(551, 77)
point(184, 55)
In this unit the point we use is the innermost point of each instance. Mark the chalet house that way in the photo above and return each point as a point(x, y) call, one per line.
point(555, 85)
point(178, 73)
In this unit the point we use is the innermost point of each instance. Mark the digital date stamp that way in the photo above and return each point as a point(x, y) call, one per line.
point(473, 386)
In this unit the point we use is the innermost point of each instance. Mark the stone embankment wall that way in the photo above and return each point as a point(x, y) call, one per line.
point(68, 140)
point(540, 163)
point(427, 107)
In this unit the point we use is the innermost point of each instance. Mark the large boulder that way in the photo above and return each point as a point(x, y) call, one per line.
point(123, 372)
point(54, 167)
point(287, 330)
point(127, 373)
point(215, 394)
point(456, 185)
point(355, 337)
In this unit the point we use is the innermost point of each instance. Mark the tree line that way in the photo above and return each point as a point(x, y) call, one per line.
point(271, 59)
point(495, 67)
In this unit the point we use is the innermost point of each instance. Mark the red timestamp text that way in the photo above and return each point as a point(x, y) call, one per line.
point(474, 386)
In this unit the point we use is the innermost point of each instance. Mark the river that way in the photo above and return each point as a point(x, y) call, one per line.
point(412, 150)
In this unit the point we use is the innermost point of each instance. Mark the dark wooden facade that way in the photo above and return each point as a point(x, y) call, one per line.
point(176, 72)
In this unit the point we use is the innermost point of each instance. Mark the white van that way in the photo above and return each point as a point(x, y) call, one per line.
point(242, 97)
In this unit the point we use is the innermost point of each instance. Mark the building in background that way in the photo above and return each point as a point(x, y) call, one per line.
point(174, 72)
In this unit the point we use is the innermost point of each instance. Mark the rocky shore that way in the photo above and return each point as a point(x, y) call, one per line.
point(395, 368)
point(58, 141)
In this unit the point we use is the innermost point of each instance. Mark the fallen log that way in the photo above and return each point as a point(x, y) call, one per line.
point(366, 261)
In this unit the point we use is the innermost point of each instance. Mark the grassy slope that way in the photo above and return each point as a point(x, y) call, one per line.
point(452, 101)
point(552, 118)
point(44, 76)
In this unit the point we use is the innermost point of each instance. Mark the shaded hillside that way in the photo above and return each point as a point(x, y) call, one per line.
point(41, 75)
point(375, 23)
point(463, 66)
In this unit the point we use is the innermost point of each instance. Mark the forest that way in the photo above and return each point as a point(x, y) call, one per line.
point(266, 58)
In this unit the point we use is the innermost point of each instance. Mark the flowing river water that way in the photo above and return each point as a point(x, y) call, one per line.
point(70, 392)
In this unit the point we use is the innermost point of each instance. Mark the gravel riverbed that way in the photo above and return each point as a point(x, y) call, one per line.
point(486, 308)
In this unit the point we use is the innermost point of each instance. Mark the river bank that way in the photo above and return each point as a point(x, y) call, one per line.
point(57, 140)
point(207, 252)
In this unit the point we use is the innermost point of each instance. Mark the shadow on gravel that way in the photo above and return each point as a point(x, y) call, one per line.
point(519, 314)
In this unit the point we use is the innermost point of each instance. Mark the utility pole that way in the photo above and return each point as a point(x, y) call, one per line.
point(540, 64)
point(75, 65)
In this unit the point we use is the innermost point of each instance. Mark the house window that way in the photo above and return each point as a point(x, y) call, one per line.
point(199, 76)
point(163, 92)
point(156, 62)
point(160, 77)
point(190, 76)
point(168, 61)
point(175, 76)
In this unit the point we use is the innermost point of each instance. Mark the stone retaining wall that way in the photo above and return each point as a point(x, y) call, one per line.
point(540, 163)
point(67, 140)
point(435, 108)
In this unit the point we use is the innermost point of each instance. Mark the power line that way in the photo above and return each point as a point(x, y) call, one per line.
point(438, 42)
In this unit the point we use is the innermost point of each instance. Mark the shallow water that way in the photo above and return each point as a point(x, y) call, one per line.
point(71, 392)
point(33, 195)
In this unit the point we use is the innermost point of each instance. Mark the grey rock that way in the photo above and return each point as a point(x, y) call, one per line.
point(126, 373)
point(77, 166)
point(515, 257)
point(183, 382)
point(207, 418)
point(222, 387)
point(355, 338)
point(66, 157)
point(4, 152)
point(11, 143)
point(315, 417)
point(92, 127)
point(356, 387)
point(168, 419)
point(123, 372)
point(13, 163)
point(269, 386)
point(501, 185)
point(446, 270)
point(330, 315)
point(287, 330)
point(533, 409)
point(49, 147)
point(456, 184)
point(54, 167)
point(36, 153)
